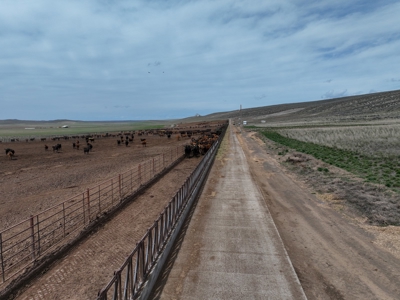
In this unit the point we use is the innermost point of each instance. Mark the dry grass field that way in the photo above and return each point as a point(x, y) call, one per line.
point(23, 130)
point(369, 139)
point(350, 148)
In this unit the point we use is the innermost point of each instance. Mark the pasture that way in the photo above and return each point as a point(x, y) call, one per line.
point(354, 163)
point(381, 140)
point(33, 129)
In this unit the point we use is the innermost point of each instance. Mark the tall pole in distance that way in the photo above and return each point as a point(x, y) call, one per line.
point(240, 118)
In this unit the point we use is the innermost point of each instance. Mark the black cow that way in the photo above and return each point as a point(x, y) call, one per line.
point(56, 147)
point(9, 150)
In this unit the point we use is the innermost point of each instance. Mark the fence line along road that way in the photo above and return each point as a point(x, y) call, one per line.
point(24, 244)
point(132, 278)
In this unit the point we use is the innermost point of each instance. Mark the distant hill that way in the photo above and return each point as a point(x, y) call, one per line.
point(384, 105)
point(377, 106)
point(61, 122)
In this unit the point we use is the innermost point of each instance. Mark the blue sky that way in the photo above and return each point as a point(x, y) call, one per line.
point(138, 60)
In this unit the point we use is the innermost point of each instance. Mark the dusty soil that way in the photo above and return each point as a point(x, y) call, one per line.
point(37, 179)
point(89, 266)
point(335, 252)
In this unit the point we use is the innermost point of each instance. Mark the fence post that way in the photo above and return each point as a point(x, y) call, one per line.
point(33, 237)
point(38, 236)
point(83, 208)
point(131, 182)
point(88, 204)
point(1, 257)
point(140, 174)
point(63, 204)
point(119, 184)
point(99, 201)
point(112, 192)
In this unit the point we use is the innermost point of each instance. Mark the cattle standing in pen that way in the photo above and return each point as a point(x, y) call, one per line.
point(10, 153)
point(56, 148)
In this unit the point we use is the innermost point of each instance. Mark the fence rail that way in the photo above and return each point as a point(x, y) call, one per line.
point(129, 279)
point(23, 244)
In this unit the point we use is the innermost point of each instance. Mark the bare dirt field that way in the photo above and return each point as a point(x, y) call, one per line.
point(36, 179)
point(89, 266)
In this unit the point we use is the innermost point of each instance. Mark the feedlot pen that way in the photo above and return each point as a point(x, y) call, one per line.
point(90, 265)
point(37, 179)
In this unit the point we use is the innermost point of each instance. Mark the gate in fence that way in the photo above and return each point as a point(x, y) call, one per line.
point(130, 278)
point(23, 244)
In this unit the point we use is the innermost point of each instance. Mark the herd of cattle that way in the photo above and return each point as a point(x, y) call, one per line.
point(201, 140)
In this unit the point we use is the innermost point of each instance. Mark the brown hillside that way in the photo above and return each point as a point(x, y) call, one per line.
point(384, 105)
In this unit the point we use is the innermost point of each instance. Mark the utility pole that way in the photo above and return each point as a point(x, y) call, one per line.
point(240, 115)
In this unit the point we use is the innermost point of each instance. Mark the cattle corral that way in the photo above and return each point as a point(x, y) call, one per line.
point(44, 188)
point(36, 179)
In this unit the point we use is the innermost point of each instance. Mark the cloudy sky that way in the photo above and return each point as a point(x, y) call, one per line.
point(158, 59)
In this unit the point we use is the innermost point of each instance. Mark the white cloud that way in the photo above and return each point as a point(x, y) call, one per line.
point(155, 59)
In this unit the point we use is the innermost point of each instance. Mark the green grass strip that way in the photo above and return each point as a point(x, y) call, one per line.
point(382, 170)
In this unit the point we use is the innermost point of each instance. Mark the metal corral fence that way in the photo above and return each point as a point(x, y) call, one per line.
point(24, 243)
point(129, 279)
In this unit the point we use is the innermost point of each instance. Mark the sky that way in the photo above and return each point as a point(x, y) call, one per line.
point(99, 60)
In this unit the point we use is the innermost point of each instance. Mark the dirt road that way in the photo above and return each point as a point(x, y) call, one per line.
point(232, 249)
point(334, 255)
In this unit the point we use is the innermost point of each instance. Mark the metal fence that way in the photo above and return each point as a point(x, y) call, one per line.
point(131, 276)
point(26, 242)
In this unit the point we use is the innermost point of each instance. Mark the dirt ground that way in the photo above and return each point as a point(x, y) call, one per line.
point(36, 179)
point(89, 266)
point(336, 253)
